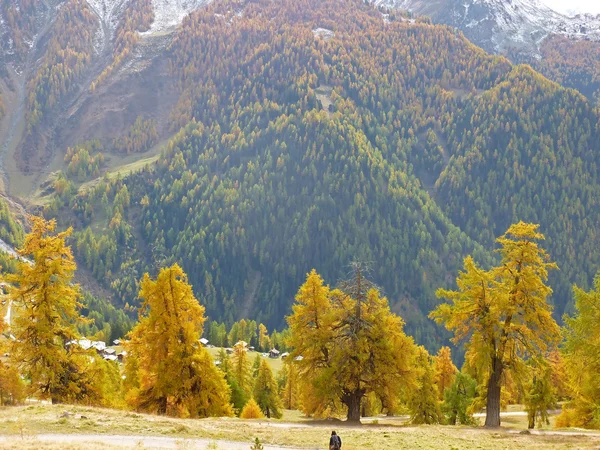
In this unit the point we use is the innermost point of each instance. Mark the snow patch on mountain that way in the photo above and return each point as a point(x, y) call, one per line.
point(497, 25)
point(108, 13)
point(323, 33)
point(170, 13)
point(573, 7)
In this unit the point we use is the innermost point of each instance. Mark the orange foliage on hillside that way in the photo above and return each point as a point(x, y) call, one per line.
point(68, 54)
point(139, 138)
point(571, 63)
point(138, 17)
point(19, 16)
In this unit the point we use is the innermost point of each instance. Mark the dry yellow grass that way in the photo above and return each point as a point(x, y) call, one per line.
point(39, 420)
point(35, 444)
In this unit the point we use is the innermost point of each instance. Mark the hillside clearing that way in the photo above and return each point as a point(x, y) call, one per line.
point(45, 427)
point(276, 364)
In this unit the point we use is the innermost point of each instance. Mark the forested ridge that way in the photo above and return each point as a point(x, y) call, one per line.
point(312, 135)
point(572, 63)
point(346, 352)
point(529, 149)
point(68, 53)
point(20, 19)
point(138, 16)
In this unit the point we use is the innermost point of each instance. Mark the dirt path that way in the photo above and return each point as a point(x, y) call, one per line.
point(579, 432)
point(87, 441)
point(383, 420)
point(153, 442)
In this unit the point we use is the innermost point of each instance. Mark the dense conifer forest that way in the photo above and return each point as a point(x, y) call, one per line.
point(320, 136)
point(355, 187)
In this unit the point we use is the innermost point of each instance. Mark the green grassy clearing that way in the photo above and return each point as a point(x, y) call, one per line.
point(275, 363)
point(115, 165)
point(121, 170)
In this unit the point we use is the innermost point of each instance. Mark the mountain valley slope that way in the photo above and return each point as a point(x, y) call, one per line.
point(117, 41)
point(305, 135)
point(526, 31)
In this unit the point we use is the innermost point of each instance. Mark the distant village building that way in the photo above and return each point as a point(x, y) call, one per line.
point(274, 353)
point(86, 344)
point(117, 342)
point(204, 341)
point(284, 355)
point(99, 346)
point(109, 354)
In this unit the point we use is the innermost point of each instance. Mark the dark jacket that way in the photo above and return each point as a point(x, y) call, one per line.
point(333, 439)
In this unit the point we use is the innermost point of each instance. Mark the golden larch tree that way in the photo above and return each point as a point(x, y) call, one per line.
point(251, 410)
point(12, 388)
point(241, 367)
point(174, 374)
point(351, 344)
point(43, 293)
point(560, 374)
point(265, 391)
point(422, 399)
point(502, 315)
point(540, 395)
point(445, 371)
point(264, 342)
point(582, 359)
point(290, 390)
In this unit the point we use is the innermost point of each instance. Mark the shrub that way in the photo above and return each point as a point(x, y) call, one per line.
point(251, 411)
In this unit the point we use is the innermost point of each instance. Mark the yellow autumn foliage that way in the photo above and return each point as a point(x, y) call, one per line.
point(502, 314)
point(581, 359)
point(445, 371)
point(43, 291)
point(348, 344)
point(251, 411)
point(168, 371)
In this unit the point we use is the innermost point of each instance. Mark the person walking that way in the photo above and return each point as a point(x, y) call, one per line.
point(335, 442)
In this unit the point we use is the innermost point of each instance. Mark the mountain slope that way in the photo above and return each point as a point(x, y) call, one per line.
point(526, 31)
point(499, 25)
point(64, 62)
point(78, 70)
point(313, 135)
point(538, 146)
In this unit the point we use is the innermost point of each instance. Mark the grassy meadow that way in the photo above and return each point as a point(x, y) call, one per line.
point(275, 363)
point(19, 427)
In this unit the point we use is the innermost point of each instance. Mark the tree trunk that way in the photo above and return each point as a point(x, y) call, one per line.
point(531, 424)
point(162, 405)
point(453, 417)
point(492, 411)
point(352, 401)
